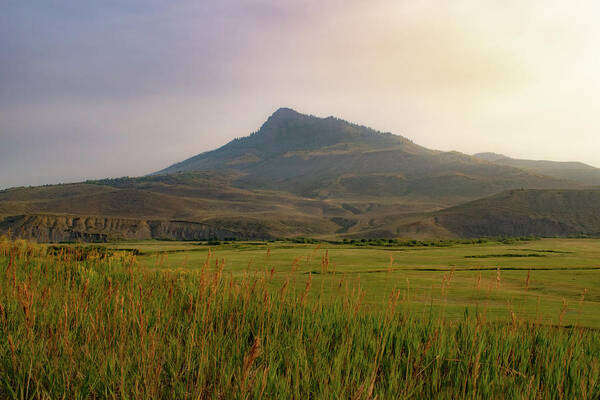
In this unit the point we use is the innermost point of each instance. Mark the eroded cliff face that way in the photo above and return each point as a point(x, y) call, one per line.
point(68, 228)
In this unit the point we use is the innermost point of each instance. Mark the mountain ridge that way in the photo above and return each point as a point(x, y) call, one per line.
point(571, 170)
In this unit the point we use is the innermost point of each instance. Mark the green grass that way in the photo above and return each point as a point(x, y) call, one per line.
point(340, 322)
point(569, 270)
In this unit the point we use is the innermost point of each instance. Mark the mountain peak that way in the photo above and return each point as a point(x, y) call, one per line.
point(281, 116)
point(285, 112)
point(287, 130)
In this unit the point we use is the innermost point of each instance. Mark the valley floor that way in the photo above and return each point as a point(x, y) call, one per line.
point(551, 281)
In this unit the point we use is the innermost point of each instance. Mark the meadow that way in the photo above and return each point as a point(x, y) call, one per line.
point(554, 281)
point(241, 320)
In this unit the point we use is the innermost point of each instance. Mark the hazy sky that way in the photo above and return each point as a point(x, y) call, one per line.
point(109, 88)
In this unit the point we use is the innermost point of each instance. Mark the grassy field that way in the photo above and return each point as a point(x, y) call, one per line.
point(553, 281)
point(282, 320)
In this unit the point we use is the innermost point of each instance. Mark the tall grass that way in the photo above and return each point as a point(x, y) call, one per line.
point(99, 326)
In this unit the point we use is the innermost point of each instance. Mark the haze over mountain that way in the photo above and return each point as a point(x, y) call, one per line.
point(300, 175)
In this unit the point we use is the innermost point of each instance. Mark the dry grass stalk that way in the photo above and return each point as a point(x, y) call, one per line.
point(563, 311)
point(498, 278)
point(251, 356)
point(306, 289)
point(325, 263)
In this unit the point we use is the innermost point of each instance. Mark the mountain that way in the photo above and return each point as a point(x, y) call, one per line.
point(573, 171)
point(290, 133)
point(300, 175)
point(329, 158)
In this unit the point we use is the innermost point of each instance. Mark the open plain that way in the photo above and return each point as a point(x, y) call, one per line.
point(551, 281)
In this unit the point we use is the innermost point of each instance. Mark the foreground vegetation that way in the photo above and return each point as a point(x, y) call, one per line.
point(89, 323)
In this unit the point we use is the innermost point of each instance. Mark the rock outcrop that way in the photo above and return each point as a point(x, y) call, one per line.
point(68, 228)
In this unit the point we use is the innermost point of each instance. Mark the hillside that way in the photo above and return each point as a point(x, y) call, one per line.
point(526, 212)
point(330, 158)
point(513, 213)
point(574, 171)
point(204, 200)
